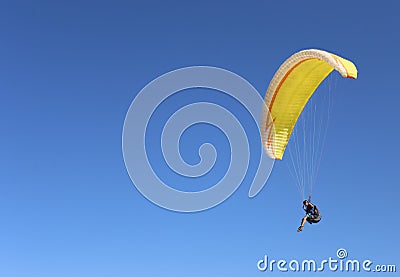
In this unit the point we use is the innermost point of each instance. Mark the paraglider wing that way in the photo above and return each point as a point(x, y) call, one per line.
point(289, 91)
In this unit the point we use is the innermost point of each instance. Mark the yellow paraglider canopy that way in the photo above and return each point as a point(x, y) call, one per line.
point(289, 91)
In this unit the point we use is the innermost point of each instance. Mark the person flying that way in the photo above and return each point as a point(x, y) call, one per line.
point(312, 214)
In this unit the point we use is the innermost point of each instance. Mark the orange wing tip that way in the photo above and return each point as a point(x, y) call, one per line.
point(352, 76)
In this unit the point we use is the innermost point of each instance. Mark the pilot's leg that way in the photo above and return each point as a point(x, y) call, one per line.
point(303, 221)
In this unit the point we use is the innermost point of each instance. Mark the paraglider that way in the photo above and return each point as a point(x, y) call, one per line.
point(289, 91)
point(287, 95)
point(312, 214)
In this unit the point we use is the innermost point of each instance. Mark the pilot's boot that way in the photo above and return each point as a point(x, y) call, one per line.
point(300, 228)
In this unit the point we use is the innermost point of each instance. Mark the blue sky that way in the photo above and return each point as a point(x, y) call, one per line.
point(68, 73)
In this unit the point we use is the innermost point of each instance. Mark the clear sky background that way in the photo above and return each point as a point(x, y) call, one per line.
point(68, 73)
